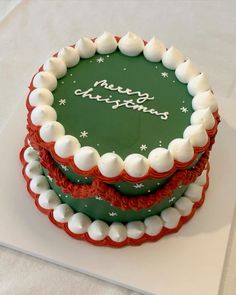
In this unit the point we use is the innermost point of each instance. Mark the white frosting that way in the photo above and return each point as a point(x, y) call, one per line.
point(153, 225)
point(62, 213)
point(172, 58)
point(171, 217)
point(45, 80)
point(87, 47)
point(30, 154)
point(194, 192)
point(110, 165)
point(70, 55)
point(39, 184)
point(197, 135)
point(56, 66)
point(198, 84)
point(106, 43)
point(181, 149)
point(205, 100)
point(51, 131)
point(136, 165)
point(203, 117)
point(184, 206)
point(186, 71)
point(201, 180)
point(131, 44)
point(33, 168)
point(86, 158)
point(154, 50)
point(98, 230)
point(41, 96)
point(117, 232)
point(49, 200)
point(161, 160)
point(135, 229)
point(79, 223)
point(66, 146)
point(42, 114)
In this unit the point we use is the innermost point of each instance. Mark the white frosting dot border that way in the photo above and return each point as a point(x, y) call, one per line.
point(182, 150)
point(117, 232)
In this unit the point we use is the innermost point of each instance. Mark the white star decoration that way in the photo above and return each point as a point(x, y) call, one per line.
point(62, 102)
point(138, 185)
point(143, 147)
point(112, 214)
point(64, 168)
point(172, 199)
point(164, 74)
point(184, 109)
point(49, 178)
point(84, 134)
point(100, 59)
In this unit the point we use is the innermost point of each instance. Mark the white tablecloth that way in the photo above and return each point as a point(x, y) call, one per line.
point(30, 31)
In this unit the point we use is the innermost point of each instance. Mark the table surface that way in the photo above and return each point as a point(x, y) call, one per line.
point(204, 30)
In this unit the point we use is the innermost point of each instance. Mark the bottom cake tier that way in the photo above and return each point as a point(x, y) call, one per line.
point(64, 213)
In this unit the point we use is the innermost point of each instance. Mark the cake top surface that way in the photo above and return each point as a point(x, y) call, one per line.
point(122, 104)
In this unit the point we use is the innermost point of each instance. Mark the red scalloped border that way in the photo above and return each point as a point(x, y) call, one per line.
point(37, 142)
point(111, 195)
point(107, 241)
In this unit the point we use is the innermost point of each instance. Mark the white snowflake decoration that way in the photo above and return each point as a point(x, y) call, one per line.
point(100, 59)
point(113, 214)
point(62, 102)
point(172, 199)
point(83, 134)
point(184, 109)
point(49, 178)
point(143, 147)
point(64, 168)
point(164, 74)
point(98, 198)
point(138, 185)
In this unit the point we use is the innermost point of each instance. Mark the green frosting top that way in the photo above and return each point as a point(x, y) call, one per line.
point(123, 104)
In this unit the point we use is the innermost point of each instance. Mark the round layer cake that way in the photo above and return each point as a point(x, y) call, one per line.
point(119, 136)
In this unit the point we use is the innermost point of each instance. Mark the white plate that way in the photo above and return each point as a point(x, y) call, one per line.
point(189, 262)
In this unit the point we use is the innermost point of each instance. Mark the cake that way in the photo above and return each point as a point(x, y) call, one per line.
point(119, 136)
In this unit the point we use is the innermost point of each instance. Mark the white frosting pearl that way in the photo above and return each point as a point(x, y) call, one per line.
point(154, 50)
point(110, 165)
point(49, 200)
point(98, 230)
point(117, 232)
point(39, 184)
point(87, 47)
point(136, 165)
point(34, 168)
point(203, 117)
point(201, 180)
point(106, 43)
point(56, 66)
point(66, 146)
point(186, 71)
point(131, 44)
point(198, 84)
point(184, 206)
point(154, 225)
point(194, 192)
point(51, 131)
point(70, 55)
point(62, 213)
point(135, 229)
point(45, 80)
point(172, 58)
point(181, 149)
point(79, 223)
point(86, 158)
point(205, 100)
point(42, 114)
point(30, 154)
point(171, 217)
point(41, 96)
point(161, 160)
point(197, 135)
